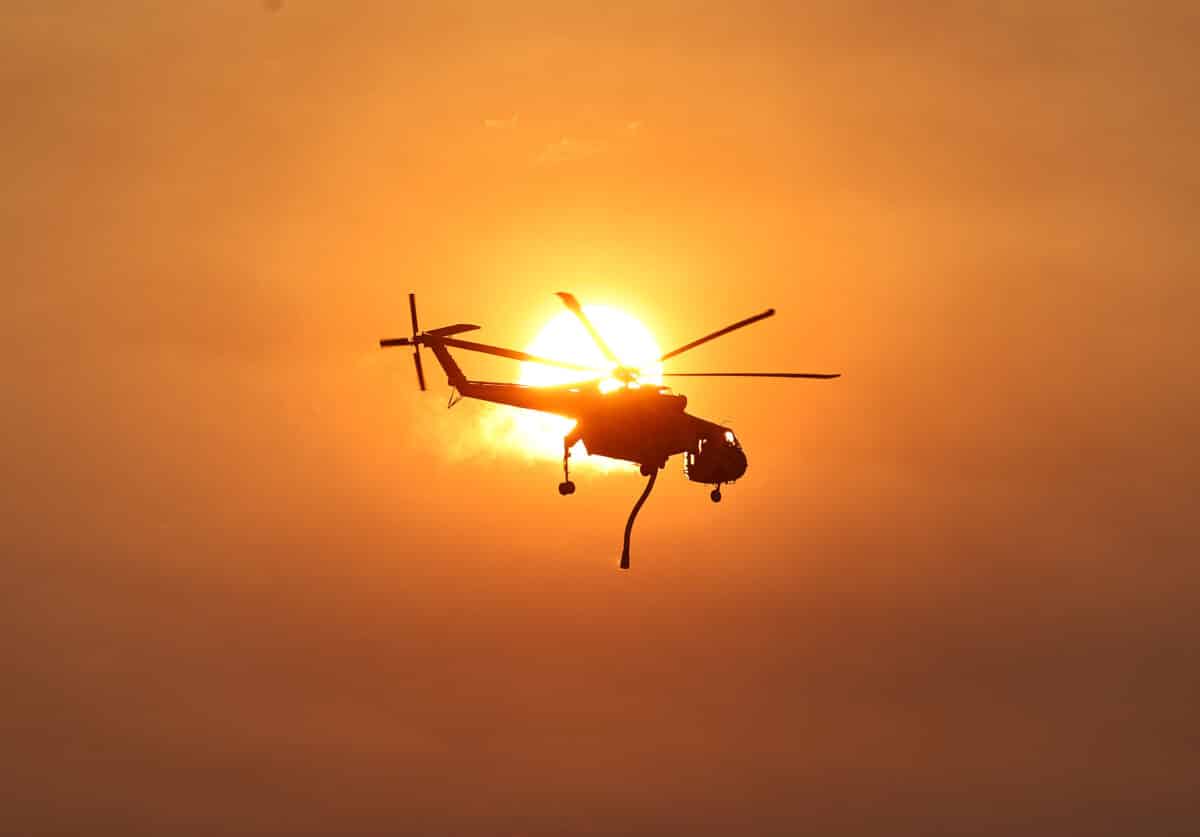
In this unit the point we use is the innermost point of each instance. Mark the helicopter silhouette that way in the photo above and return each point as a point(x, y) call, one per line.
point(640, 423)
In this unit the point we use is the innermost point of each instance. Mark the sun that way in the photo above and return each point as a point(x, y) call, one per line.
point(565, 338)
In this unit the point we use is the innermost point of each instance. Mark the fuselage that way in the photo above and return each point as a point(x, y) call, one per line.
point(642, 424)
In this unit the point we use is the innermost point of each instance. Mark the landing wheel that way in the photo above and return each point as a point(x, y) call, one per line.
point(647, 470)
point(565, 488)
point(715, 495)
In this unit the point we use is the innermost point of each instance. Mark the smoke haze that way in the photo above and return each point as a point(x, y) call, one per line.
point(252, 588)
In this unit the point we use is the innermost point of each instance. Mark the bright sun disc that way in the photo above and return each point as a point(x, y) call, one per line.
point(565, 338)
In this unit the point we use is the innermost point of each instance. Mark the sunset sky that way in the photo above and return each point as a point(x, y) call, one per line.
point(256, 583)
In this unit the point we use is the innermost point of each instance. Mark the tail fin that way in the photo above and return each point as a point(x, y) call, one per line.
point(454, 375)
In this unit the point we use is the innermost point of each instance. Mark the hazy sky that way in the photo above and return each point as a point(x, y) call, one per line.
point(256, 583)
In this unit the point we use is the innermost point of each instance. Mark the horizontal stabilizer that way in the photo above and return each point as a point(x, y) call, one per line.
point(446, 331)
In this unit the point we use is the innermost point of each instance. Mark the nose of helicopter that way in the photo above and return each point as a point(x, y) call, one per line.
point(736, 464)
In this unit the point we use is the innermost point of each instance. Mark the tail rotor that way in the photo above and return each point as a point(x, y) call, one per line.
point(413, 341)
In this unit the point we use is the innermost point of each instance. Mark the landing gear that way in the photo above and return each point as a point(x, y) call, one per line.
point(567, 487)
point(647, 470)
point(715, 494)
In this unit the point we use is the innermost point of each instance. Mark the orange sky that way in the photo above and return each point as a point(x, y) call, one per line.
point(256, 581)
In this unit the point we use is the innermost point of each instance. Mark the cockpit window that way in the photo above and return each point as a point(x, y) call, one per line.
point(730, 439)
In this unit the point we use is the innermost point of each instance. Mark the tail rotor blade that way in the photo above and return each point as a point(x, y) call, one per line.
point(412, 310)
point(420, 371)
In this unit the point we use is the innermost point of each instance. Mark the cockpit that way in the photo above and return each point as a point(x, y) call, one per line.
point(716, 459)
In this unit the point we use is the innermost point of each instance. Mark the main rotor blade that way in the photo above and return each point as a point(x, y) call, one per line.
point(820, 375)
point(513, 354)
point(575, 308)
point(770, 312)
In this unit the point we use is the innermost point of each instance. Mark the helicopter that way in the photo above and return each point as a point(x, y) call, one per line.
point(645, 424)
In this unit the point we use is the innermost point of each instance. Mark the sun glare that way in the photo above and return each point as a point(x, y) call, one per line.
point(565, 338)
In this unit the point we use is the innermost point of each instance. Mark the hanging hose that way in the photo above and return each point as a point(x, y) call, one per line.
point(633, 514)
